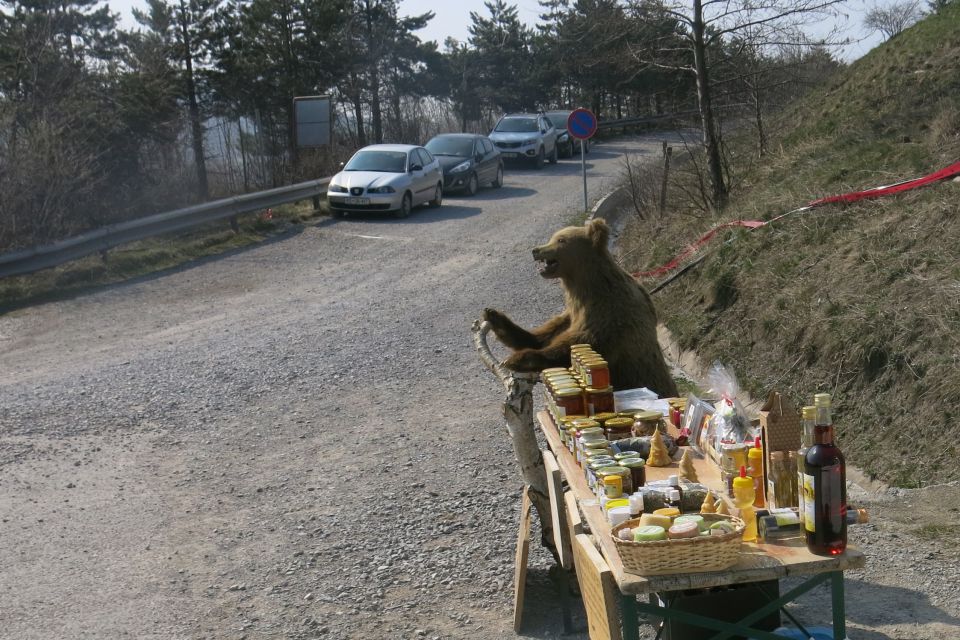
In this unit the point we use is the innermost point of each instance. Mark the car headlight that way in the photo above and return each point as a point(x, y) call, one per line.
point(381, 190)
point(336, 188)
point(530, 141)
point(460, 168)
point(563, 137)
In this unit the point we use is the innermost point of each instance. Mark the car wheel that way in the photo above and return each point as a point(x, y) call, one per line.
point(406, 205)
point(437, 196)
point(472, 185)
point(571, 149)
point(586, 149)
point(498, 181)
point(553, 156)
point(538, 161)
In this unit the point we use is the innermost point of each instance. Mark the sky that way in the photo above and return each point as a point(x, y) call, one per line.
point(453, 18)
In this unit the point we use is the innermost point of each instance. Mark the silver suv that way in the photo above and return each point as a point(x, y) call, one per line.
point(529, 136)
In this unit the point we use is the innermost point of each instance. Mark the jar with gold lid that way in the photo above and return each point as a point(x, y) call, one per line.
point(617, 470)
point(646, 422)
point(618, 428)
point(590, 443)
point(569, 401)
point(599, 400)
point(596, 372)
point(603, 417)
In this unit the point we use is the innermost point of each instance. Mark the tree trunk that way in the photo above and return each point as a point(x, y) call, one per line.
point(357, 109)
point(518, 413)
point(758, 114)
point(196, 126)
point(711, 141)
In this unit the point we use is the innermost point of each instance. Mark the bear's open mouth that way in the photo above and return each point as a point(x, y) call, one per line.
point(546, 265)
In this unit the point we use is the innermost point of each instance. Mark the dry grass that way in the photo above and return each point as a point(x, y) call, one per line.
point(862, 301)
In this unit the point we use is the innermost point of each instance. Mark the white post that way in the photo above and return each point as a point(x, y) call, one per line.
point(583, 168)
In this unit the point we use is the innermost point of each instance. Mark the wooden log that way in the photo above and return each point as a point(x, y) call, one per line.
point(518, 414)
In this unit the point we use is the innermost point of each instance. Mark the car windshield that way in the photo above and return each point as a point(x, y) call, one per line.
point(559, 118)
point(386, 161)
point(462, 147)
point(517, 125)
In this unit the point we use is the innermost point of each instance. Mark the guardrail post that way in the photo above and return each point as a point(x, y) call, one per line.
point(667, 152)
point(316, 203)
point(235, 224)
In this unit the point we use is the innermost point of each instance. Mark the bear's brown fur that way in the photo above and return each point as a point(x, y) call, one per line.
point(605, 307)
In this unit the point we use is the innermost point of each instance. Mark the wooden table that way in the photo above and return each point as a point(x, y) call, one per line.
point(758, 562)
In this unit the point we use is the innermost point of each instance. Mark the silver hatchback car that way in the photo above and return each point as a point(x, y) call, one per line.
point(387, 177)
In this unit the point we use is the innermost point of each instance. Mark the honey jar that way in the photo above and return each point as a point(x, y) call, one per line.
point(596, 373)
point(599, 400)
point(603, 417)
point(569, 401)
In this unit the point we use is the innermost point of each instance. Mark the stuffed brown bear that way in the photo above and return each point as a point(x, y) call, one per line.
point(605, 308)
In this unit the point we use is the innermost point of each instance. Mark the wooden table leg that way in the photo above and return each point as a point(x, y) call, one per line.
point(520, 564)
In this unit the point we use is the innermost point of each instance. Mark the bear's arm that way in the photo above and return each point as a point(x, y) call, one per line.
point(517, 337)
point(555, 354)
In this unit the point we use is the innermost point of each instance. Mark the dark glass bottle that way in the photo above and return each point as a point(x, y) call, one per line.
point(825, 487)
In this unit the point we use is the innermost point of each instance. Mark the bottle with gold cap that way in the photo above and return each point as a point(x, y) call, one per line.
point(825, 486)
point(807, 416)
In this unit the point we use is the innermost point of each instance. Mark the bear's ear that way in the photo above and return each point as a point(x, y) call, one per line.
point(599, 232)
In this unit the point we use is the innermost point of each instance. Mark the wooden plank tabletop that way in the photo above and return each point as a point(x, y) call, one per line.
point(757, 561)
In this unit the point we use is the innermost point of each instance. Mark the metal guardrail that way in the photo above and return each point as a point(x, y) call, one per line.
point(629, 122)
point(37, 258)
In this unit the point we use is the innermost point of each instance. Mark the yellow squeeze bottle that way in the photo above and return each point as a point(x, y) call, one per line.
point(755, 459)
point(743, 495)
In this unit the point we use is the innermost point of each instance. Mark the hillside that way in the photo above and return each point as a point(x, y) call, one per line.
point(863, 300)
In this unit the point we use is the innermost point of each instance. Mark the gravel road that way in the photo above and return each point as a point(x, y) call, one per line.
point(297, 440)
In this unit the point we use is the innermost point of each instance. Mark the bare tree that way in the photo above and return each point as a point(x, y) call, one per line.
point(703, 26)
point(892, 19)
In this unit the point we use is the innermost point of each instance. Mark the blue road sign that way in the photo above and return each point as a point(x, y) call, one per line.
point(582, 124)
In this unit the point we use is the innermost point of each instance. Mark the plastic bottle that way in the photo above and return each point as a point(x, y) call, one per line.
point(825, 487)
point(755, 460)
point(807, 417)
point(743, 495)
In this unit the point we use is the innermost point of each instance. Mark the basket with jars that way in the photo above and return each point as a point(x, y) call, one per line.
point(657, 543)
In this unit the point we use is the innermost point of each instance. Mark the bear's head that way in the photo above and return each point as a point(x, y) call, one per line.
point(571, 248)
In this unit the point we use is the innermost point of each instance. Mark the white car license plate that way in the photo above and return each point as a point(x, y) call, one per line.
point(509, 155)
point(358, 200)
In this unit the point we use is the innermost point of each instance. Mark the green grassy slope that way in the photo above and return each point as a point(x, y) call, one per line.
point(863, 300)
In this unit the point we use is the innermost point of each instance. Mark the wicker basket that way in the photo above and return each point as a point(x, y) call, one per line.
point(687, 555)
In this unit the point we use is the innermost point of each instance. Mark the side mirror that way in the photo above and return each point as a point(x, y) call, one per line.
point(543, 129)
point(479, 157)
point(416, 167)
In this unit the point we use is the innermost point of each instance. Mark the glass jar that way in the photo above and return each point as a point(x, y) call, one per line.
point(637, 468)
point(570, 401)
point(596, 373)
point(626, 478)
point(646, 422)
point(599, 400)
point(596, 463)
point(618, 428)
point(603, 417)
point(588, 441)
